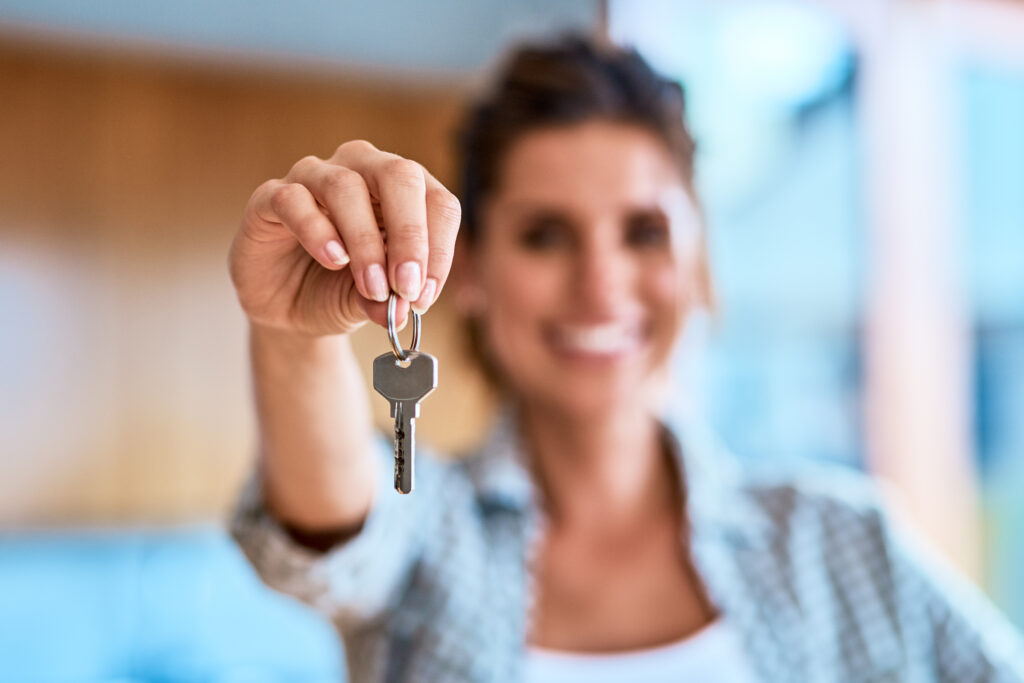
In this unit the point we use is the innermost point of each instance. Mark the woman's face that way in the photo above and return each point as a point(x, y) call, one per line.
point(588, 263)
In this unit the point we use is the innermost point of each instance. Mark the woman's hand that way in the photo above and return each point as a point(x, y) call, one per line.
point(319, 250)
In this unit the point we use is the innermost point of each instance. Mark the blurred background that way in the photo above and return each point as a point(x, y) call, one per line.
point(862, 165)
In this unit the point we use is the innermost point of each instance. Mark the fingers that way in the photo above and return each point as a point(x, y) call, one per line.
point(293, 206)
point(420, 219)
point(403, 188)
point(344, 193)
point(444, 215)
point(400, 185)
point(378, 312)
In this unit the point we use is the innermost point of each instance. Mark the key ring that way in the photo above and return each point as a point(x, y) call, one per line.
point(396, 345)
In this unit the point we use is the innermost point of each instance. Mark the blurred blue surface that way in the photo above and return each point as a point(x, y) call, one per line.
point(992, 99)
point(150, 606)
point(993, 116)
point(442, 35)
point(783, 377)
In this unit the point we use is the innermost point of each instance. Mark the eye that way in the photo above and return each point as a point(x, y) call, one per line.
point(647, 230)
point(546, 232)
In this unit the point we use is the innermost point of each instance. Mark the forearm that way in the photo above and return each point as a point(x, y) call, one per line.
point(315, 429)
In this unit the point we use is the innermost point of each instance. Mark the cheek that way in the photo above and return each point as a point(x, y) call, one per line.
point(664, 292)
point(672, 290)
point(686, 282)
point(520, 294)
point(664, 278)
point(523, 287)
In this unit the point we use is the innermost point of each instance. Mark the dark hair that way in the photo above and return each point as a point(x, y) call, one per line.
point(572, 80)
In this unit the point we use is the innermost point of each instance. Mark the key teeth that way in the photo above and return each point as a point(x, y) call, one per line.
point(401, 463)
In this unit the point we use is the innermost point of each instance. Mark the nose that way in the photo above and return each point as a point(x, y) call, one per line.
point(603, 273)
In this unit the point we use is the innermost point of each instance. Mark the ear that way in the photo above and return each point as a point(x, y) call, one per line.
point(469, 294)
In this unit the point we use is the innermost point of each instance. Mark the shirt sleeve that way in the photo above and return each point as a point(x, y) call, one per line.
point(969, 639)
point(360, 579)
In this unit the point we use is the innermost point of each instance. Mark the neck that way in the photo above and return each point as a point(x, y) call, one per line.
point(600, 472)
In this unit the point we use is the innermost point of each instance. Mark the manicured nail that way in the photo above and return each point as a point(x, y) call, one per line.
point(335, 253)
point(426, 296)
point(376, 282)
point(408, 278)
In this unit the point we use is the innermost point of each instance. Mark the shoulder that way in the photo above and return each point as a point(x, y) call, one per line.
point(813, 491)
point(829, 516)
point(832, 528)
point(816, 501)
point(828, 546)
point(773, 501)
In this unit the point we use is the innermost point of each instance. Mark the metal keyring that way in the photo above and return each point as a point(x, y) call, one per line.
point(396, 345)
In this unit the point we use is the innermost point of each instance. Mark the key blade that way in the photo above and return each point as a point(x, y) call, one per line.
point(405, 447)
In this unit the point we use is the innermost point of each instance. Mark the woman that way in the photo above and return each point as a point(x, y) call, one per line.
point(590, 538)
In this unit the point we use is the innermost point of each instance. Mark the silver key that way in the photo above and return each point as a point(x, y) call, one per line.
point(404, 384)
point(404, 378)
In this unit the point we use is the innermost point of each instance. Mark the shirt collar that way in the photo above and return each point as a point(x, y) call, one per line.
point(499, 470)
point(718, 492)
point(711, 477)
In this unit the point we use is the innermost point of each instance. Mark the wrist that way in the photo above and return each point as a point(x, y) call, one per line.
point(294, 343)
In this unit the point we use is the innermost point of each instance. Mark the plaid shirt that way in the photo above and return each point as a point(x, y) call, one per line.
point(437, 585)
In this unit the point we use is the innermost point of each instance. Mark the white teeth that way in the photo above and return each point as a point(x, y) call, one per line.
point(609, 338)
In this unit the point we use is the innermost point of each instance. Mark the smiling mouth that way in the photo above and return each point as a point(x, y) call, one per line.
point(605, 340)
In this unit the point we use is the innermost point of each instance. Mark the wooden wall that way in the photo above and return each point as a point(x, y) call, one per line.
point(123, 376)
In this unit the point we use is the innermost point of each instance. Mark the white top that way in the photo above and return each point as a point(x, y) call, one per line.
point(714, 653)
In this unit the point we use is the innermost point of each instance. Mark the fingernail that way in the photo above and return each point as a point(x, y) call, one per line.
point(335, 253)
point(376, 282)
point(408, 276)
point(426, 296)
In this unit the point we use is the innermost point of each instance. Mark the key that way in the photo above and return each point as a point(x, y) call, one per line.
point(404, 378)
point(404, 383)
